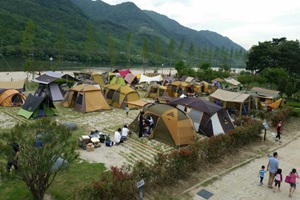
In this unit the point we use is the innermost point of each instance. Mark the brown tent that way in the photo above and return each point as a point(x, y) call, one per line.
point(12, 97)
point(117, 95)
point(156, 91)
point(171, 125)
point(233, 100)
point(85, 98)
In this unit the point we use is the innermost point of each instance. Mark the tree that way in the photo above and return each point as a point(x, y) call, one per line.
point(157, 51)
point(171, 49)
point(42, 144)
point(145, 51)
point(274, 75)
point(180, 49)
point(27, 47)
point(191, 53)
point(111, 50)
point(90, 43)
point(128, 48)
point(61, 46)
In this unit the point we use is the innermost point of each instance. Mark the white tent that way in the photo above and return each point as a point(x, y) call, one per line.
point(148, 79)
point(232, 81)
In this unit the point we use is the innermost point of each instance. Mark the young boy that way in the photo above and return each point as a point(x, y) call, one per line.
point(127, 110)
point(261, 174)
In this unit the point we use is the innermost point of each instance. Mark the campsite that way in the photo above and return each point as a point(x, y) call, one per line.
point(112, 116)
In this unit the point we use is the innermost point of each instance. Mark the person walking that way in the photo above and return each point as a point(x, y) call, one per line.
point(261, 175)
point(272, 167)
point(278, 180)
point(278, 129)
point(127, 110)
point(293, 176)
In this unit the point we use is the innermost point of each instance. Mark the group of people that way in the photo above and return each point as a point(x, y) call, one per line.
point(146, 124)
point(275, 175)
point(121, 135)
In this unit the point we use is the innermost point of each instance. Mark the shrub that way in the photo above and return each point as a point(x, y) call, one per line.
point(282, 114)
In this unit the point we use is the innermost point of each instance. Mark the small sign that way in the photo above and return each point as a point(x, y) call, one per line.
point(140, 183)
point(265, 125)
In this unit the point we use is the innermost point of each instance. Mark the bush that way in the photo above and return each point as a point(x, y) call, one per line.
point(282, 114)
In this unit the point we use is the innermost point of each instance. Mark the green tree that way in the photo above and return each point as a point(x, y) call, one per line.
point(145, 52)
point(111, 49)
point(157, 51)
point(180, 49)
point(245, 79)
point(38, 164)
point(27, 47)
point(171, 49)
point(90, 43)
point(128, 48)
point(274, 75)
point(191, 53)
point(61, 47)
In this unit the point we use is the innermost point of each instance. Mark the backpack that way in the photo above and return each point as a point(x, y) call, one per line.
point(277, 177)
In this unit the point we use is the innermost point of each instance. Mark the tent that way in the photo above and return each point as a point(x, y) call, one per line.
point(232, 81)
point(12, 97)
point(122, 73)
point(118, 80)
point(48, 86)
point(36, 106)
point(265, 97)
point(17, 85)
point(171, 125)
point(96, 77)
point(147, 79)
point(117, 95)
point(130, 78)
point(156, 91)
point(177, 88)
point(85, 98)
point(209, 118)
point(233, 100)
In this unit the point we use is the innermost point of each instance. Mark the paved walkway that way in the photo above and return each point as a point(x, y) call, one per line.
point(243, 183)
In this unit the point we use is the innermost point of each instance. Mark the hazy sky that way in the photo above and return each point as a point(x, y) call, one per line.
point(244, 22)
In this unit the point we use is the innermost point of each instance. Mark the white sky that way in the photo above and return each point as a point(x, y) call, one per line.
point(244, 22)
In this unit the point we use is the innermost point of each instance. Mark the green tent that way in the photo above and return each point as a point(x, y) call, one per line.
point(36, 106)
point(118, 80)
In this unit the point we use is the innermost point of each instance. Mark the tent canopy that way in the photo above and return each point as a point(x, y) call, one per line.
point(224, 95)
point(232, 81)
point(122, 73)
point(265, 92)
point(17, 85)
point(148, 79)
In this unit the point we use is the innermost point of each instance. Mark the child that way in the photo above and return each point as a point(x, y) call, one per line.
point(293, 176)
point(278, 179)
point(126, 110)
point(261, 174)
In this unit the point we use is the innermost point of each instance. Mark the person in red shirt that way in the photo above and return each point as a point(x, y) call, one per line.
point(293, 176)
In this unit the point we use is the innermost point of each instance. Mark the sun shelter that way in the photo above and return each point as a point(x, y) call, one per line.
point(11, 97)
point(209, 118)
point(147, 79)
point(138, 103)
point(36, 106)
point(117, 95)
point(232, 81)
point(49, 86)
point(17, 85)
point(156, 91)
point(85, 98)
point(171, 125)
point(233, 100)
